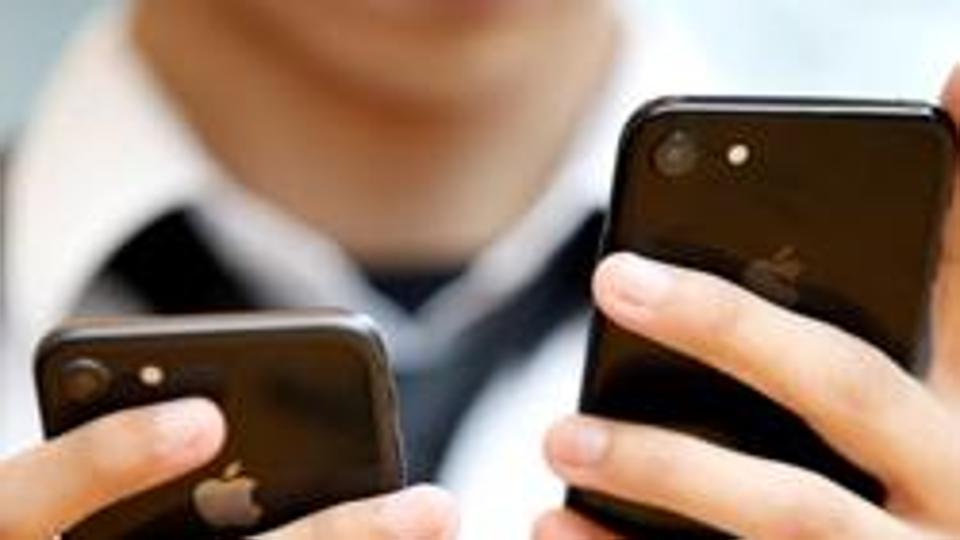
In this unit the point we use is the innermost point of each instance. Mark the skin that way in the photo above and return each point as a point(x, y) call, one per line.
point(904, 431)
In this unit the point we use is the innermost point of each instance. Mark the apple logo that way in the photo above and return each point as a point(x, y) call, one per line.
point(228, 501)
point(776, 277)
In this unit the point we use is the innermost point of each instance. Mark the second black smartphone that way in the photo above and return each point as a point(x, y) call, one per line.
point(307, 397)
point(830, 208)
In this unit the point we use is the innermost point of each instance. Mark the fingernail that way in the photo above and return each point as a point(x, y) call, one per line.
point(181, 424)
point(580, 443)
point(419, 513)
point(637, 281)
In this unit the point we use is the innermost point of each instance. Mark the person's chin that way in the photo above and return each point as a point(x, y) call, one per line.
point(492, 5)
point(461, 7)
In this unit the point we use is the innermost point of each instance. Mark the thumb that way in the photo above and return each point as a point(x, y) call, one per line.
point(418, 513)
point(945, 375)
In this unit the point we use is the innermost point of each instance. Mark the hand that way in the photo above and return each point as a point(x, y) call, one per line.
point(47, 490)
point(418, 513)
point(904, 431)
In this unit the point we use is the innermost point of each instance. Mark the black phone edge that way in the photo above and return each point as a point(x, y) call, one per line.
point(837, 107)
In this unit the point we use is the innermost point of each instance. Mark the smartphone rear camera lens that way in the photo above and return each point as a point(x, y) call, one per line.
point(677, 155)
point(84, 380)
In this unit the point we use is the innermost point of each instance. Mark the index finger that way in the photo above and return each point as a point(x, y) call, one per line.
point(48, 490)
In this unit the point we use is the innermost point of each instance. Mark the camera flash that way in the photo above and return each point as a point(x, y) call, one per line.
point(738, 155)
point(151, 376)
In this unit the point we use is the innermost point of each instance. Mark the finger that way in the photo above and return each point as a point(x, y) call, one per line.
point(855, 396)
point(945, 375)
point(418, 513)
point(565, 525)
point(742, 495)
point(46, 491)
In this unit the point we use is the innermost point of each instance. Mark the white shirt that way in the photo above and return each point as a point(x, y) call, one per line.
point(106, 154)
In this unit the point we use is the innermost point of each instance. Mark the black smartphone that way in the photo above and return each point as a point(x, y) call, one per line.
point(831, 208)
point(307, 396)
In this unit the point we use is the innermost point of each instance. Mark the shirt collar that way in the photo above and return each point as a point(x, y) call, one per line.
point(103, 156)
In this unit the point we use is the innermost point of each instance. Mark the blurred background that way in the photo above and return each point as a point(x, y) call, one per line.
point(893, 48)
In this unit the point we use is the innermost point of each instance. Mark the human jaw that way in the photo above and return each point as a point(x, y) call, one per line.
point(416, 49)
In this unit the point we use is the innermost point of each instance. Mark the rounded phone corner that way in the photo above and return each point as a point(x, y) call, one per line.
point(365, 326)
point(941, 117)
point(364, 331)
point(48, 346)
point(652, 110)
point(71, 332)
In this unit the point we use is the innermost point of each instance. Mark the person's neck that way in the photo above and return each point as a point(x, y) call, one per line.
point(396, 184)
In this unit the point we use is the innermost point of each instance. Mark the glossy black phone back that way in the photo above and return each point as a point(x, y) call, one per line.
point(836, 214)
point(307, 397)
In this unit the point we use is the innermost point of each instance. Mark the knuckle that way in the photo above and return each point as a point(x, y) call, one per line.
point(860, 382)
point(733, 322)
point(124, 444)
point(805, 509)
point(658, 473)
point(648, 466)
point(718, 308)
